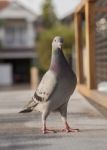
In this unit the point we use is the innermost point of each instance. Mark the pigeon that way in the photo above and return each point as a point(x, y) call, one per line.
point(55, 88)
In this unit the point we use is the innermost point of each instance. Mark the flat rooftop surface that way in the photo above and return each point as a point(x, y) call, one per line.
point(22, 131)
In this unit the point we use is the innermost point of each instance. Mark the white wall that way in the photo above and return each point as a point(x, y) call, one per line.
point(6, 77)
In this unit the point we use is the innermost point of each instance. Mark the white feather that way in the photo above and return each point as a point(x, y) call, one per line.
point(47, 85)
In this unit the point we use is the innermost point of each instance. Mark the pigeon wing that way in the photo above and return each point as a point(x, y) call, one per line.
point(46, 87)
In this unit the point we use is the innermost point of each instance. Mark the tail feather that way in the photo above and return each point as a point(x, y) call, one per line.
point(27, 110)
point(29, 107)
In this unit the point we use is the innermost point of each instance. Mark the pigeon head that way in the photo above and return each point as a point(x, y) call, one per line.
point(57, 43)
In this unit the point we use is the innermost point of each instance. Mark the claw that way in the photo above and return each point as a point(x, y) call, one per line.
point(70, 130)
point(46, 130)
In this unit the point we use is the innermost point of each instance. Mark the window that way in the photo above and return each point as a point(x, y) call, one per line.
point(15, 35)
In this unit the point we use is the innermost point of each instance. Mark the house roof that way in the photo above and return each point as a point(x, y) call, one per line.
point(11, 9)
point(4, 3)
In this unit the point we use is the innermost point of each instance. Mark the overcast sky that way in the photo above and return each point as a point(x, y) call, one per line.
point(62, 7)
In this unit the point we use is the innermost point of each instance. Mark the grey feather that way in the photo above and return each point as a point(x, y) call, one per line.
point(46, 86)
point(57, 84)
point(29, 107)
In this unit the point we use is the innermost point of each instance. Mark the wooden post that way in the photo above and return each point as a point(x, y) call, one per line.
point(33, 74)
point(90, 43)
point(78, 46)
point(34, 77)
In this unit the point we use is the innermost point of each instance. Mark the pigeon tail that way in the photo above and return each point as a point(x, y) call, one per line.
point(27, 110)
point(30, 106)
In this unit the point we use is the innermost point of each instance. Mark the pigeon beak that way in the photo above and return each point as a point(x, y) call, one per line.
point(60, 45)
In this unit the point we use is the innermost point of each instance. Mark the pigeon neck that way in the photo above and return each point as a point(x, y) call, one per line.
point(59, 63)
point(55, 60)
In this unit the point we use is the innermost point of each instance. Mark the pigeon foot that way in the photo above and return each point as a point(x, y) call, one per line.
point(46, 130)
point(70, 130)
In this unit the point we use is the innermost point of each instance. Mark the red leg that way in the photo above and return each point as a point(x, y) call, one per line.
point(69, 129)
point(46, 130)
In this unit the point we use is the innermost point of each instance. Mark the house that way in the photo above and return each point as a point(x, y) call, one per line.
point(91, 51)
point(17, 44)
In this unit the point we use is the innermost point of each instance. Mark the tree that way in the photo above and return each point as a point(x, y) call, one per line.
point(45, 40)
point(52, 28)
point(48, 14)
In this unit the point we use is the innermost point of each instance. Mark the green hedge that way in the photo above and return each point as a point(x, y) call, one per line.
point(45, 40)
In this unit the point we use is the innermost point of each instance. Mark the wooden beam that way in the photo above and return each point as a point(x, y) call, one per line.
point(90, 43)
point(98, 97)
point(80, 7)
point(102, 9)
point(90, 0)
point(78, 46)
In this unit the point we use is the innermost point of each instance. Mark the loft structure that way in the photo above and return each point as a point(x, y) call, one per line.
point(91, 49)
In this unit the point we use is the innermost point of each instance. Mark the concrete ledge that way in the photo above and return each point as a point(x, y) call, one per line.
point(98, 97)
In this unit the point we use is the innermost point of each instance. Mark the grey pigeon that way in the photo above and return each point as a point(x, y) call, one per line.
point(55, 88)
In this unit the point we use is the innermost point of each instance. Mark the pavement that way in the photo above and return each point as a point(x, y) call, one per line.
point(22, 131)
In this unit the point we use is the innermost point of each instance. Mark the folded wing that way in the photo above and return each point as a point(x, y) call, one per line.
point(46, 87)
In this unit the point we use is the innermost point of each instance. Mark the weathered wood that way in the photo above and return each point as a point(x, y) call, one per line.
point(34, 77)
point(78, 46)
point(102, 9)
point(90, 43)
point(80, 7)
point(99, 98)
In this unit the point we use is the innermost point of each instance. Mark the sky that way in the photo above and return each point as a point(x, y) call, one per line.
point(62, 7)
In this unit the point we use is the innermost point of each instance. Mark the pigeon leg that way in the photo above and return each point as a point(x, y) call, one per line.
point(63, 112)
point(68, 128)
point(44, 128)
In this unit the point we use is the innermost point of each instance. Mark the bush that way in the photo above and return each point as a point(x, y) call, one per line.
point(45, 40)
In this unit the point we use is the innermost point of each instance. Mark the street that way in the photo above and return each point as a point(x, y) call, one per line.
point(22, 131)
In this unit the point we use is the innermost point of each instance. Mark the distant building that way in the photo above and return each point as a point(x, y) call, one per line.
point(17, 44)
